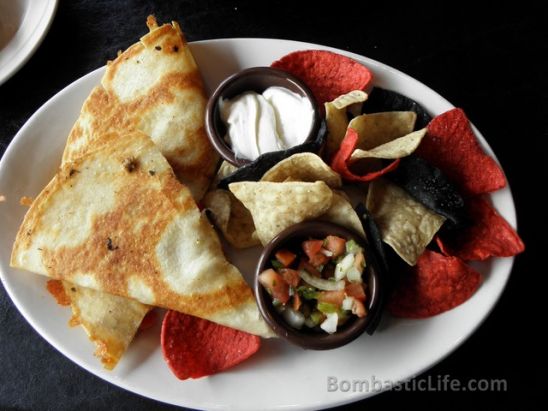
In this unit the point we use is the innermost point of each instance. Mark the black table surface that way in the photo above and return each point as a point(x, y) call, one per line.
point(492, 63)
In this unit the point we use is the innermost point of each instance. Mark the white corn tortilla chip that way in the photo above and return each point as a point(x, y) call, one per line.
point(337, 120)
point(406, 225)
point(276, 206)
point(398, 148)
point(307, 167)
point(232, 218)
point(380, 128)
point(342, 213)
point(225, 169)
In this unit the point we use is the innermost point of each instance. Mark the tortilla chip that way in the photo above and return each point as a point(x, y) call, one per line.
point(406, 225)
point(374, 237)
point(429, 186)
point(306, 167)
point(232, 218)
point(276, 206)
point(452, 146)
point(337, 119)
point(225, 169)
point(342, 213)
point(195, 348)
point(380, 128)
point(436, 284)
point(398, 148)
point(381, 100)
point(110, 321)
point(328, 74)
point(339, 163)
point(488, 235)
point(107, 223)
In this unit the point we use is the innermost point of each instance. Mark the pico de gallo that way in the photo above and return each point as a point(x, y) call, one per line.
point(318, 284)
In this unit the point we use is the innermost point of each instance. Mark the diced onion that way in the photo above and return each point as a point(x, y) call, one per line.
point(294, 318)
point(343, 266)
point(320, 283)
point(330, 323)
point(347, 303)
point(354, 275)
point(327, 253)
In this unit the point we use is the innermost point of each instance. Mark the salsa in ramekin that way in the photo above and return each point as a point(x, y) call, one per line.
point(318, 283)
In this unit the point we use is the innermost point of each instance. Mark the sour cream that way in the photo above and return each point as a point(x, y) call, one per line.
point(277, 119)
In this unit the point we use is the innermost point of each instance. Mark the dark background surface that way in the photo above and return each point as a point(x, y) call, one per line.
point(492, 63)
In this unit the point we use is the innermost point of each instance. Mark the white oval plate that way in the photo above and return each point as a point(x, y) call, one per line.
point(23, 26)
point(280, 376)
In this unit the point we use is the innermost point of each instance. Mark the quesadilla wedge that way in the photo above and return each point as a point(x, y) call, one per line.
point(110, 321)
point(154, 87)
point(117, 220)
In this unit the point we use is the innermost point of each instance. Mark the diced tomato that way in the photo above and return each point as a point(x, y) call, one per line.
point(285, 257)
point(336, 245)
point(319, 259)
point(305, 265)
point(331, 297)
point(290, 276)
point(359, 309)
point(355, 290)
point(296, 302)
point(275, 284)
point(312, 247)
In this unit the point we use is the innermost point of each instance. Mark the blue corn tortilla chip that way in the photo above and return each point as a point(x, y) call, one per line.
point(381, 99)
point(429, 186)
point(256, 169)
point(379, 255)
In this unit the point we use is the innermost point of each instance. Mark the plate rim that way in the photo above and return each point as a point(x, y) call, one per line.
point(311, 405)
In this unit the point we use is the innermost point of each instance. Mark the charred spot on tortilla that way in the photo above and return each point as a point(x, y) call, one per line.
point(430, 187)
point(110, 245)
point(151, 172)
point(256, 169)
point(158, 48)
point(130, 164)
point(381, 99)
point(72, 172)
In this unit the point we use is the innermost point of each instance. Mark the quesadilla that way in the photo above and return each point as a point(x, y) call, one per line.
point(154, 87)
point(117, 220)
point(110, 321)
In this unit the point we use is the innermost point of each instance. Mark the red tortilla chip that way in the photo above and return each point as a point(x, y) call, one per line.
point(194, 347)
point(340, 165)
point(436, 284)
point(328, 74)
point(451, 145)
point(489, 235)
